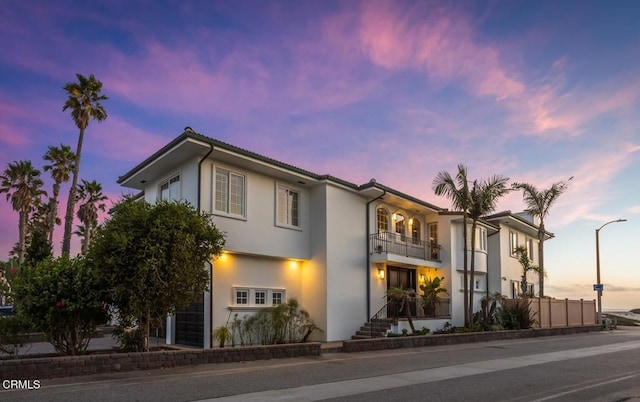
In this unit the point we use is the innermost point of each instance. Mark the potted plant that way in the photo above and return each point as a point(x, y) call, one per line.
point(431, 294)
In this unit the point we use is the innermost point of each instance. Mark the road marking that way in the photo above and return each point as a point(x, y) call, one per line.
point(558, 395)
point(353, 387)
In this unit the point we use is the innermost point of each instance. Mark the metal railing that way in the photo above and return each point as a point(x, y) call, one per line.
point(394, 243)
point(441, 310)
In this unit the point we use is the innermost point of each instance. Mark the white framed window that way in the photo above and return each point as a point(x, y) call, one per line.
point(433, 233)
point(277, 297)
point(230, 192)
point(400, 222)
point(257, 297)
point(241, 297)
point(481, 239)
point(287, 207)
point(415, 230)
point(170, 189)
point(530, 289)
point(382, 218)
point(530, 246)
point(260, 297)
point(515, 289)
point(513, 243)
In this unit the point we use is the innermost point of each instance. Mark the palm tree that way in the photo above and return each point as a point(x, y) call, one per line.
point(484, 197)
point(457, 190)
point(538, 204)
point(522, 254)
point(91, 193)
point(404, 298)
point(61, 166)
point(84, 101)
point(22, 183)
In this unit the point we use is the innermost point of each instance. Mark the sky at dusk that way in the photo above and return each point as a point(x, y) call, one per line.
point(538, 91)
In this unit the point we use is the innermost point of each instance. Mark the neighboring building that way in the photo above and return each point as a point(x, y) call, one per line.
point(290, 233)
point(515, 230)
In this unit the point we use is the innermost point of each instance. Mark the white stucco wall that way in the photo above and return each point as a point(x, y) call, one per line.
point(346, 263)
point(258, 233)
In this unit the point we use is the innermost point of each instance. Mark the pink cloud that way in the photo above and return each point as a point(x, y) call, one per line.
point(108, 138)
point(439, 42)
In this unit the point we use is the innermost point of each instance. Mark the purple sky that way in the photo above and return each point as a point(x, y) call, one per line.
point(396, 91)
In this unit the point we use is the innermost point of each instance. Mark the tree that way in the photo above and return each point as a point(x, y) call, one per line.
point(91, 193)
point(152, 258)
point(84, 102)
point(457, 190)
point(64, 299)
point(22, 184)
point(522, 254)
point(484, 197)
point(539, 203)
point(61, 166)
point(403, 297)
point(431, 290)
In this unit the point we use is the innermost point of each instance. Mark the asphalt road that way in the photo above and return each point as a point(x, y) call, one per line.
point(585, 367)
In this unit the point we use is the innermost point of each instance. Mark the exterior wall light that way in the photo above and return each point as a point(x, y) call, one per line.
point(381, 273)
point(423, 278)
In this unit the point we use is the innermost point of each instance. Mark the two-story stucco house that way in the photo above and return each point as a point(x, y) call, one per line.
point(333, 245)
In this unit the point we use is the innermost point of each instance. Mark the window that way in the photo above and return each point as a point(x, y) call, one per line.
point(481, 239)
point(170, 189)
point(433, 233)
point(513, 243)
point(277, 297)
point(515, 289)
point(257, 297)
point(400, 222)
point(383, 220)
point(242, 297)
point(530, 248)
point(287, 208)
point(415, 230)
point(229, 193)
point(260, 297)
point(477, 284)
point(530, 290)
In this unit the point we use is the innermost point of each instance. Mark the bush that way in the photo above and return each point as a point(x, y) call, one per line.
point(516, 314)
point(14, 334)
point(64, 299)
point(284, 323)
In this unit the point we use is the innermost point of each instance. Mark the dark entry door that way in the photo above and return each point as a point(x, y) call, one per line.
point(190, 324)
point(403, 278)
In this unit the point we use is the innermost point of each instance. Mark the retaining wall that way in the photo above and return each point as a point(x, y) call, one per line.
point(63, 366)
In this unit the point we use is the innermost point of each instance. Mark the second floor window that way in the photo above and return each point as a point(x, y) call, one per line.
point(513, 240)
point(530, 248)
point(287, 208)
point(230, 193)
point(400, 225)
point(382, 216)
point(170, 189)
point(415, 231)
point(481, 239)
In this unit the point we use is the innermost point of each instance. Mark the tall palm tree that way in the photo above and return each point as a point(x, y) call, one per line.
point(84, 102)
point(22, 183)
point(61, 166)
point(538, 204)
point(457, 190)
point(484, 197)
point(91, 193)
point(522, 254)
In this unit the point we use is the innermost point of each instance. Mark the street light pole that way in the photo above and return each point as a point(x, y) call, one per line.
point(598, 268)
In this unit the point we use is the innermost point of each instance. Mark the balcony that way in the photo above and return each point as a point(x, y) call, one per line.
point(396, 244)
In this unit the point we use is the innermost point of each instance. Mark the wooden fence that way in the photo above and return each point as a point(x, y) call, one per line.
point(551, 313)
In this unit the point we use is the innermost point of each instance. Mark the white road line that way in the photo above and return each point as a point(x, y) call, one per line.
point(561, 394)
point(353, 387)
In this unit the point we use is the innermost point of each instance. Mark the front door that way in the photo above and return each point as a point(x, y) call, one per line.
point(403, 278)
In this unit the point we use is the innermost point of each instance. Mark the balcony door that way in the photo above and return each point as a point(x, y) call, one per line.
point(403, 278)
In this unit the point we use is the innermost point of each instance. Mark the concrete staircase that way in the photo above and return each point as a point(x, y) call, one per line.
point(377, 327)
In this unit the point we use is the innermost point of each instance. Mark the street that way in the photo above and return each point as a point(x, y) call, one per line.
point(602, 366)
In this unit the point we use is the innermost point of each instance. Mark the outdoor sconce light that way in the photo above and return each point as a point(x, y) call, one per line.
point(423, 278)
point(381, 273)
point(394, 216)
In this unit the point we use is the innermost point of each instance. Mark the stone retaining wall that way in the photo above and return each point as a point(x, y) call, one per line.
point(51, 367)
point(399, 342)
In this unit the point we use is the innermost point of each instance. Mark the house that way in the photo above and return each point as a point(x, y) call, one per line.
point(514, 230)
point(333, 245)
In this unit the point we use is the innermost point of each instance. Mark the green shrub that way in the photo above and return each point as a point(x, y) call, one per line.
point(14, 334)
point(63, 299)
point(516, 314)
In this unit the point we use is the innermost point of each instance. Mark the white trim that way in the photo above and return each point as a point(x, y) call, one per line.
point(251, 297)
point(214, 181)
point(296, 191)
point(167, 182)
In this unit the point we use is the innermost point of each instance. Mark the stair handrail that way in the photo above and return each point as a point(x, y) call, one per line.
point(379, 314)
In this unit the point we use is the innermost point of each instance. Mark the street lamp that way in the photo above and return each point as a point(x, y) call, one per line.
point(598, 285)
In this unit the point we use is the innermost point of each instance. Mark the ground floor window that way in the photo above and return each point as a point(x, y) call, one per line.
point(257, 297)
